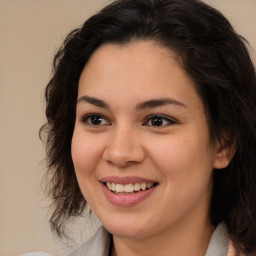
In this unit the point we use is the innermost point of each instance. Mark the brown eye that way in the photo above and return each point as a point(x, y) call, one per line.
point(159, 120)
point(95, 120)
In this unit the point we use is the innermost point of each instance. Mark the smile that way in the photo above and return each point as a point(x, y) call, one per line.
point(128, 188)
point(127, 191)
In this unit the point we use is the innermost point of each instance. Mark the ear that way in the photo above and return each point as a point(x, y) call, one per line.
point(224, 153)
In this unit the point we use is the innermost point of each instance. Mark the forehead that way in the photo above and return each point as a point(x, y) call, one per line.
point(136, 59)
point(136, 71)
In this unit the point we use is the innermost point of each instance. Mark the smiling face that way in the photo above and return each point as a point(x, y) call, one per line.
point(142, 132)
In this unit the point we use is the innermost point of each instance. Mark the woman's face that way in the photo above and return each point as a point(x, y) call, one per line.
point(142, 132)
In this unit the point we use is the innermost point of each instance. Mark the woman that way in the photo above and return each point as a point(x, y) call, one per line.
point(151, 120)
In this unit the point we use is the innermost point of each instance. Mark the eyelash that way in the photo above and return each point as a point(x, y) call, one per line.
point(163, 118)
point(87, 119)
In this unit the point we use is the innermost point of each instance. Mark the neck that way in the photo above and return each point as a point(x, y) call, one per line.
point(188, 238)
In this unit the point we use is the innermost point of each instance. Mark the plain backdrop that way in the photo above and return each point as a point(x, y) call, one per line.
point(31, 31)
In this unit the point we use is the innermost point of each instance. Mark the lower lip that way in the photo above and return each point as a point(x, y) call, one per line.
point(126, 200)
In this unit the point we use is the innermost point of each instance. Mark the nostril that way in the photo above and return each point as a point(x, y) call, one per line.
point(123, 151)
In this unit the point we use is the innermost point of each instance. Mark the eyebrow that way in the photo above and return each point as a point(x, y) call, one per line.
point(152, 103)
point(93, 101)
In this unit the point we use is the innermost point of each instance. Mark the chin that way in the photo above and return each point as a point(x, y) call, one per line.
point(127, 232)
point(127, 228)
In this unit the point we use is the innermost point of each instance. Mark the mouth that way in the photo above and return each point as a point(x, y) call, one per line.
point(127, 189)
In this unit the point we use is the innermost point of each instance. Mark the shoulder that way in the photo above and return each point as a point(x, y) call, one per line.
point(219, 242)
point(97, 245)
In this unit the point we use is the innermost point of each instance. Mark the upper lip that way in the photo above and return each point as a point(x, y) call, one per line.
point(126, 180)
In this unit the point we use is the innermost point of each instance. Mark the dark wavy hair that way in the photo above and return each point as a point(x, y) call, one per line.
point(216, 58)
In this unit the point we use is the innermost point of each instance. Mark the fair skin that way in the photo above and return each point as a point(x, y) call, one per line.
point(140, 120)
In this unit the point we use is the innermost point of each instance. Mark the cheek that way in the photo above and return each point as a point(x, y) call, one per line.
point(172, 154)
point(86, 156)
point(186, 170)
point(184, 162)
point(84, 150)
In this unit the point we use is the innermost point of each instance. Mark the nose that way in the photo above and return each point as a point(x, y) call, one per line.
point(124, 148)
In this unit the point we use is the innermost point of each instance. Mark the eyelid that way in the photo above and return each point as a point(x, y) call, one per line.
point(169, 120)
point(84, 119)
point(161, 116)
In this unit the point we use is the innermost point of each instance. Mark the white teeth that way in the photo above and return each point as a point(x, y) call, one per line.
point(128, 188)
point(137, 187)
point(143, 186)
point(149, 185)
point(109, 185)
point(119, 188)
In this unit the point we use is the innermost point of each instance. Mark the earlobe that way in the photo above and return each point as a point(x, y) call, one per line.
point(225, 151)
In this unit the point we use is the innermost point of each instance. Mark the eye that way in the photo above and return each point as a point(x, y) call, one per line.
point(95, 120)
point(159, 120)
